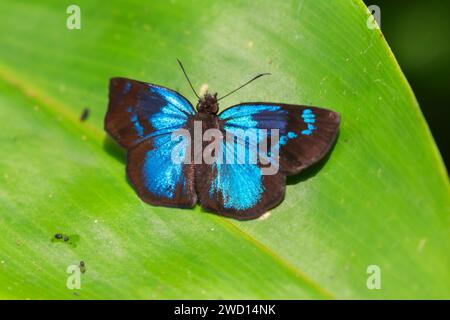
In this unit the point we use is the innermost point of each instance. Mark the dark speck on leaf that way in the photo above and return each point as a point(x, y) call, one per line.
point(82, 266)
point(66, 239)
point(84, 114)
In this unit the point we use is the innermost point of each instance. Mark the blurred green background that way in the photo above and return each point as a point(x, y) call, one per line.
point(417, 32)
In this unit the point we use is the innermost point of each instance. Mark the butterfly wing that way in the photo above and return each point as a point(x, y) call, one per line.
point(240, 191)
point(243, 191)
point(141, 117)
point(306, 133)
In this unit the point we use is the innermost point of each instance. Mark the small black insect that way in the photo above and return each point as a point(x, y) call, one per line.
point(66, 238)
point(82, 266)
point(58, 236)
point(84, 114)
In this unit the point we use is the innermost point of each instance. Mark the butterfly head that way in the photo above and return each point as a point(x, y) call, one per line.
point(208, 103)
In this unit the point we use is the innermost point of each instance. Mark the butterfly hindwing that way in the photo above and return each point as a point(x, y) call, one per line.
point(141, 117)
point(238, 190)
point(243, 191)
point(157, 179)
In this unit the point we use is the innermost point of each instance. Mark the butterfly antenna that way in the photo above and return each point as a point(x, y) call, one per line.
point(258, 76)
point(187, 78)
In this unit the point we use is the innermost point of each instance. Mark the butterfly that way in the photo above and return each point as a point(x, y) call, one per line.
point(142, 118)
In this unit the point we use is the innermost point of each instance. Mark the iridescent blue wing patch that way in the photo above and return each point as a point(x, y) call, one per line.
point(243, 191)
point(142, 117)
point(240, 189)
point(156, 178)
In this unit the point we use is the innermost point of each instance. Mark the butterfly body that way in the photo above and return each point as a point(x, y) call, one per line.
point(143, 117)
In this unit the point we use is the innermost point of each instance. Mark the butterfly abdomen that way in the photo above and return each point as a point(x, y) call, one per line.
point(202, 123)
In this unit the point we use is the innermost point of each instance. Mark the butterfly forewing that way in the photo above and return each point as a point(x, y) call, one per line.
point(306, 133)
point(139, 110)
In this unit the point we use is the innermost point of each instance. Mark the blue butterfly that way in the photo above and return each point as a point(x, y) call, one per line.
point(143, 118)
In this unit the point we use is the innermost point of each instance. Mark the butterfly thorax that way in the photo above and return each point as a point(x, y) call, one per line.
point(208, 104)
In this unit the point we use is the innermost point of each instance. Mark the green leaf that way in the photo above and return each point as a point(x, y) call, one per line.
point(382, 197)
